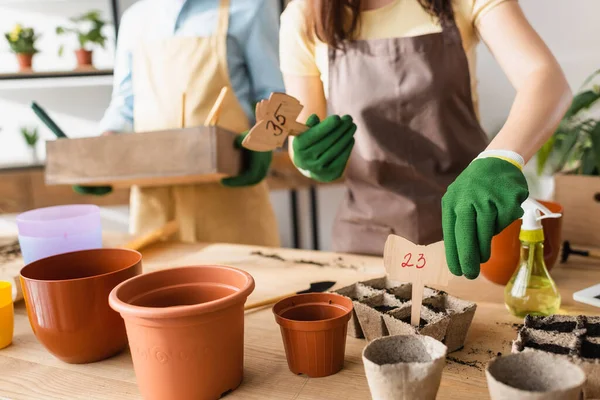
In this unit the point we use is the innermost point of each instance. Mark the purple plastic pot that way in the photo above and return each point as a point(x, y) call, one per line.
point(55, 230)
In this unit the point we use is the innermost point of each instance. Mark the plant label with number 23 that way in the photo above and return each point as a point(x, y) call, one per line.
point(405, 261)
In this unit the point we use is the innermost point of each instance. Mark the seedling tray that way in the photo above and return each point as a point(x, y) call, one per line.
point(574, 337)
point(382, 307)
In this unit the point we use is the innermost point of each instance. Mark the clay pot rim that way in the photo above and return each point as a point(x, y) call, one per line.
point(23, 216)
point(312, 325)
point(130, 310)
point(572, 385)
point(33, 264)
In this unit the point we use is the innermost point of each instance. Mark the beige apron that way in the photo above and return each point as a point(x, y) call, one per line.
point(197, 66)
point(417, 130)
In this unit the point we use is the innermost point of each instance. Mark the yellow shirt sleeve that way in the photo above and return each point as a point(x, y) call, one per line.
point(481, 7)
point(296, 47)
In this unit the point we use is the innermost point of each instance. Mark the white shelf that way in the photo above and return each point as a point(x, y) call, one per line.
point(55, 82)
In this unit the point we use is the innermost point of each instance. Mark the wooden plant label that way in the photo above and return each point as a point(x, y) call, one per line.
point(275, 121)
point(405, 261)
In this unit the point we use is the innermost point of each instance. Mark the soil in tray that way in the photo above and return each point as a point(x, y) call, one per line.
point(435, 309)
point(422, 322)
point(593, 330)
point(559, 326)
point(590, 349)
point(550, 348)
point(384, 308)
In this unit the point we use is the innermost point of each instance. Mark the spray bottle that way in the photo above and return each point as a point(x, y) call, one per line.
point(531, 290)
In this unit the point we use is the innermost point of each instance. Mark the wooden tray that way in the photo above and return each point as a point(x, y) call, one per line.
point(178, 156)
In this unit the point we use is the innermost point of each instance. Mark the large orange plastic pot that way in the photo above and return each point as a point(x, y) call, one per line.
point(67, 302)
point(186, 330)
point(313, 327)
point(506, 247)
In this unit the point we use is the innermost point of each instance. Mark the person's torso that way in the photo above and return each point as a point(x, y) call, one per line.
point(163, 19)
point(406, 18)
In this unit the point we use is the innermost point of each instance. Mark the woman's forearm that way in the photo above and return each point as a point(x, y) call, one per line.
point(539, 105)
point(543, 94)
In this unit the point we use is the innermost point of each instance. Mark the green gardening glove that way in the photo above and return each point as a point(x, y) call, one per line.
point(484, 199)
point(92, 190)
point(322, 152)
point(256, 166)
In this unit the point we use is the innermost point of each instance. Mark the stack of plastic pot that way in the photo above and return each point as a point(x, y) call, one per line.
point(54, 230)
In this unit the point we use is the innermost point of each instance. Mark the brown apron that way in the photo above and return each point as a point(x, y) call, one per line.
point(417, 130)
point(163, 71)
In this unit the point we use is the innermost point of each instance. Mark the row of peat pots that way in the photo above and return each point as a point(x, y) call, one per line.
point(185, 329)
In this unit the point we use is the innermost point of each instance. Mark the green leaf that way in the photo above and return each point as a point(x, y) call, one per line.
point(61, 50)
point(589, 78)
point(588, 163)
point(544, 154)
point(567, 146)
point(595, 150)
point(582, 101)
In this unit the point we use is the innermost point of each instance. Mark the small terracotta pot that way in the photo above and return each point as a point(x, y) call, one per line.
point(67, 302)
point(25, 61)
point(404, 367)
point(534, 375)
point(186, 330)
point(84, 57)
point(313, 327)
point(506, 247)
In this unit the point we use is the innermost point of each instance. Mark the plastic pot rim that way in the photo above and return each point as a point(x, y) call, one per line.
point(316, 325)
point(130, 310)
point(31, 265)
point(22, 218)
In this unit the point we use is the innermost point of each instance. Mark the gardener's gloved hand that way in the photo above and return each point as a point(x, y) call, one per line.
point(484, 199)
point(321, 152)
point(255, 169)
point(92, 190)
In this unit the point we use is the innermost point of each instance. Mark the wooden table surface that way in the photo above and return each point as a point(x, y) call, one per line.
point(28, 372)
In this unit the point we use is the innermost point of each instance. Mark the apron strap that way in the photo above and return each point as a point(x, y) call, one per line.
point(220, 36)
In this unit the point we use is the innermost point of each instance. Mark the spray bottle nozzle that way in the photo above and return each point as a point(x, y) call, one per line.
point(534, 213)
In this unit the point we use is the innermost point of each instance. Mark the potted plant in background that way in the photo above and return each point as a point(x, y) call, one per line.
point(88, 29)
point(31, 137)
point(573, 155)
point(22, 42)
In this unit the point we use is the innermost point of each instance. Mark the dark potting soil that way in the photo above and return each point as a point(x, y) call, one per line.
point(559, 326)
point(403, 299)
point(590, 350)
point(550, 348)
point(422, 322)
point(384, 308)
point(472, 364)
point(435, 309)
point(277, 257)
point(593, 330)
point(9, 251)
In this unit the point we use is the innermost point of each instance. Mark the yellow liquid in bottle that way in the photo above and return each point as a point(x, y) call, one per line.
point(531, 290)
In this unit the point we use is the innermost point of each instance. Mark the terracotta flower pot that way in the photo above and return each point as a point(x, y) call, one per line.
point(506, 247)
point(67, 302)
point(313, 327)
point(405, 367)
point(534, 375)
point(25, 61)
point(84, 57)
point(186, 330)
